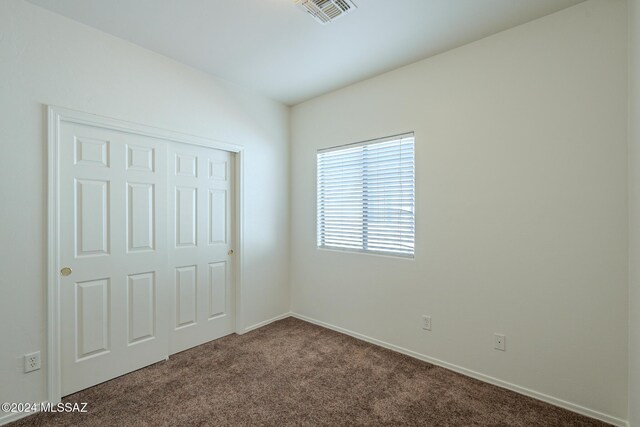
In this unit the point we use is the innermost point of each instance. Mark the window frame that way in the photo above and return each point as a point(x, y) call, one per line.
point(320, 245)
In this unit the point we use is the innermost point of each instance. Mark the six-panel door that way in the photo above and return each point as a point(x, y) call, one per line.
point(146, 237)
point(112, 235)
point(200, 225)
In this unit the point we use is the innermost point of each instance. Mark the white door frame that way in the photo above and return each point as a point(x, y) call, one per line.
point(56, 116)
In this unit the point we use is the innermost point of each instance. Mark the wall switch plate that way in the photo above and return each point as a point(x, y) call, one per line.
point(499, 342)
point(426, 322)
point(32, 361)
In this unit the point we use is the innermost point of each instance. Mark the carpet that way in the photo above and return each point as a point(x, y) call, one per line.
point(293, 373)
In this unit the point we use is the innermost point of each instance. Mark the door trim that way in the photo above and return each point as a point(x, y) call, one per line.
point(57, 115)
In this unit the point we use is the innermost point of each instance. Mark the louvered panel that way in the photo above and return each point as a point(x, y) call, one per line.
point(366, 196)
point(325, 11)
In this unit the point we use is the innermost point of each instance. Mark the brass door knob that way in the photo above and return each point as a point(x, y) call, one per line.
point(230, 252)
point(66, 271)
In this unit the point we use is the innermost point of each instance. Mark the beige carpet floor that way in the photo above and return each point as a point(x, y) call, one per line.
point(292, 373)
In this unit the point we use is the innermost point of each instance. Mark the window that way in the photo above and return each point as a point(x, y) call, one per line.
point(366, 196)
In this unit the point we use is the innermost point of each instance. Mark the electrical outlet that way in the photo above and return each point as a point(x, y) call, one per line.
point(426, 322)
point(499, 342)
point(32, 361)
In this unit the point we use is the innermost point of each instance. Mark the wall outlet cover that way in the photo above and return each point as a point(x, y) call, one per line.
point(499, 342)
point(32, 362)
point(426, 322)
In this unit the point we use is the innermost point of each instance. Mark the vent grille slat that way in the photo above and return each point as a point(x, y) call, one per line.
point(342, 5)
point(332, 11)
point(325, 11)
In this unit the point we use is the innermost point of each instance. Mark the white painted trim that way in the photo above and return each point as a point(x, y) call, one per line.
point(266, 322)
point(56, 115)
point(79, 117)
point(482, 377)
point(54, 390)
point(239, 234)
point(14, 416)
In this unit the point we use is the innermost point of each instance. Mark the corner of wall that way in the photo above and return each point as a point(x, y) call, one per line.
point(290, 207)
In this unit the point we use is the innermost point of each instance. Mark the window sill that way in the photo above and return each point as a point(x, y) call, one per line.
point(363, 252)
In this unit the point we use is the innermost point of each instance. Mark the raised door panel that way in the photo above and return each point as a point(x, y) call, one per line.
point(217, 289)
point(186, 296)
point(186, 165)
point(217, 216)
point(218, 170)
point(141, 298)
point(140, 158)
point(92, 217)
point(186, 216)
point(92, 318)
point(91, 152)
point(140, 217)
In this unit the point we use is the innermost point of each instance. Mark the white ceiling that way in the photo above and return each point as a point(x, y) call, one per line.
point(278, 50)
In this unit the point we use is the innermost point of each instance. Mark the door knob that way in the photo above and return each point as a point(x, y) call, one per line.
point(230, 252)
point(66, 271)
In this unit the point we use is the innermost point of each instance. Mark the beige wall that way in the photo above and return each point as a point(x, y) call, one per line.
point(521, 157)
point(48, 59)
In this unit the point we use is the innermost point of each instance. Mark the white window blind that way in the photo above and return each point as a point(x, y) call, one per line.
point(366, 196)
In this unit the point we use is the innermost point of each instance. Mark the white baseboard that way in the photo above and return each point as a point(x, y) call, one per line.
point(14, 416)
point(266, 322)
point(482, 377)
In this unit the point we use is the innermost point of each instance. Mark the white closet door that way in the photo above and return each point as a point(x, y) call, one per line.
point(201, 237)
point(113, 226)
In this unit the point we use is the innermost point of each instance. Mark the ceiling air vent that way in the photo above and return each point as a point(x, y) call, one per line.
point(325, 11)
